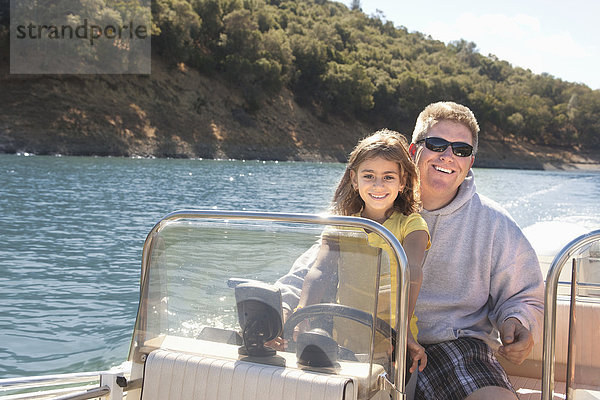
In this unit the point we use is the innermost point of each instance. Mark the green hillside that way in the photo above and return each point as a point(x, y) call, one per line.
point(344, 62)
point(337, 66)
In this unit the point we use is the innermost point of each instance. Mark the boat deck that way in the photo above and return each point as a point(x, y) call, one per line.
point(531, 389)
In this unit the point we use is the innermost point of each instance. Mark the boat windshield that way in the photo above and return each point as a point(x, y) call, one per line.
point(195, 266)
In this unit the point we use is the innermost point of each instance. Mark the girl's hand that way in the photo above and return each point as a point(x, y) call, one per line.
point(278, 344)
point(416, 353)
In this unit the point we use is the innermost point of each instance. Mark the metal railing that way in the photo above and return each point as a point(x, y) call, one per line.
point(73, 386)
point(561, 259)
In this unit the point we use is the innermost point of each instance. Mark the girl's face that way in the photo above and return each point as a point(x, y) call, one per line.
point(378, 183)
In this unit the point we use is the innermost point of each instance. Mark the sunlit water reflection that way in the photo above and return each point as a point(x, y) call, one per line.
point(72, 230)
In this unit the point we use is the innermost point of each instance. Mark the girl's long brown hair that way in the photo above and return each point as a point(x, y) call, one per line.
point(392, 146)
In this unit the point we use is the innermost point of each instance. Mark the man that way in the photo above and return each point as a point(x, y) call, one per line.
point(482, 287)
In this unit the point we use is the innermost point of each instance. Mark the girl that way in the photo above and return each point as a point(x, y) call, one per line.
point(380, 183)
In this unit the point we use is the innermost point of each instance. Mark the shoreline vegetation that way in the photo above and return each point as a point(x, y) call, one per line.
point(291, 80)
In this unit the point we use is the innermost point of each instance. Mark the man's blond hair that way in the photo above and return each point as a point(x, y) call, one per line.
point(446, 111)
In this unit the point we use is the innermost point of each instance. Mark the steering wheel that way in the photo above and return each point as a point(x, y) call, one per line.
point(337, 310)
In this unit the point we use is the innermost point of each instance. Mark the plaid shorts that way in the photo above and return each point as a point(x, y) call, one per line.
point(457, 368)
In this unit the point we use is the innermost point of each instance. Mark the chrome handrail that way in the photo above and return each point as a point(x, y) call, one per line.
point(550, 297)
point(336, 220)
point(70, 386)
point(25, 380)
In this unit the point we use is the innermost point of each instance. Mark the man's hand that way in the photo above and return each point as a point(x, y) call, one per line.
point(417, 355)
point(517, 341)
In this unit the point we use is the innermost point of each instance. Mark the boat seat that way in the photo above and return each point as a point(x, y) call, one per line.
point(170, 375)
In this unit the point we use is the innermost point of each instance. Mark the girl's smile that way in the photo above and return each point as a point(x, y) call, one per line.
point(378, 197)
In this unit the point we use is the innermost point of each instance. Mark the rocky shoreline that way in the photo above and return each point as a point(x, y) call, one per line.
point(502, 154)
point(541, 159)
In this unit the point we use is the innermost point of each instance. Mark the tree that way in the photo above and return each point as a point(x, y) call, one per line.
point(310, 62)
point(176, 22)
point(240, 34)
point(348, 88)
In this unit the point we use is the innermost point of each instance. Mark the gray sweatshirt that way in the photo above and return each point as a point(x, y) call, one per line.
point(479, 271)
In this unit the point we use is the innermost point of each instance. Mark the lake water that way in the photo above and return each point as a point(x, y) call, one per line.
point(72, 231)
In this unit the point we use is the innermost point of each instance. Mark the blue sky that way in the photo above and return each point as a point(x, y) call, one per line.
point(557, 37)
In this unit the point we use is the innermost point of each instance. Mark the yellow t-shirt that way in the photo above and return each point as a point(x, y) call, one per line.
point(359, 256)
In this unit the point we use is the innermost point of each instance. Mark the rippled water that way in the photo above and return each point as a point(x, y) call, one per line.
point(72, 230)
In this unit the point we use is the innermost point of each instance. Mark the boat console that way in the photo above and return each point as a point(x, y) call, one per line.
point(212, 303)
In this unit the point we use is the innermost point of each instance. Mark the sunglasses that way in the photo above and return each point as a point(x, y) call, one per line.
point(460, 149)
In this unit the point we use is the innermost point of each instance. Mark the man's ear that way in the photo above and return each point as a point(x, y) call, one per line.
point(472, 161)
point(412, 150)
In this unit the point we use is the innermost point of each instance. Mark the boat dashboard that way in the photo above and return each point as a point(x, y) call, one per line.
point(218, 287)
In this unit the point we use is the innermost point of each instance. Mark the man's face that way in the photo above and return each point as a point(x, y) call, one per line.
point(442, 173)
